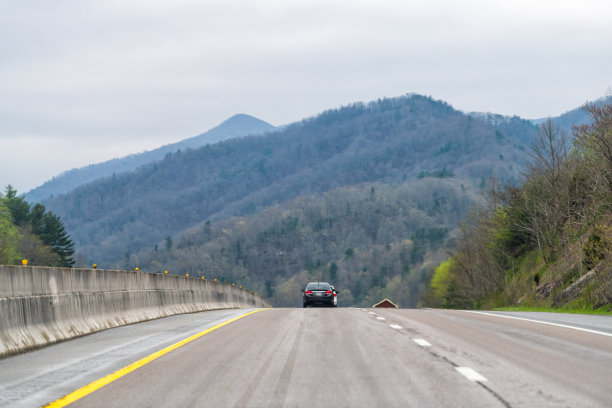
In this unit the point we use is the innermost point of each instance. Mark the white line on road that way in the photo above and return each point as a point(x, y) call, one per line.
point(422, 342)
point(396, 327)
point(542, 322)
point(372, 313)
point(471, 374)
point(380, 318)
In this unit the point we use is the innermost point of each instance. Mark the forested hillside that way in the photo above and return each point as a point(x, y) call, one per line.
point(389, 141)
point(372, 241)
point(547, 243)
point(236, 126)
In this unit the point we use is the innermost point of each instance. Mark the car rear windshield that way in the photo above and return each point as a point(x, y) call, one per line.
point(318, 286)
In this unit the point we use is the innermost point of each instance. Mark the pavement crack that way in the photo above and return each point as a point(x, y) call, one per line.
point(482, 384)
point(495, 394)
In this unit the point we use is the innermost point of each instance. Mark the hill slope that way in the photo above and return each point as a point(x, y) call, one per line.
point(373, 241)
point(236, 126)
point(548, 242)
point(387, 141)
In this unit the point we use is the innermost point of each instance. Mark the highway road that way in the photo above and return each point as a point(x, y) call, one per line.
point(320, 357)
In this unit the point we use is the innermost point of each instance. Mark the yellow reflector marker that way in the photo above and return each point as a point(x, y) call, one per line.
point(96, 385)
point(165, 271)
point(24, 262)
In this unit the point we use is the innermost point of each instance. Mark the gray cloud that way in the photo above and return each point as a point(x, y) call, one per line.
point(133, 75)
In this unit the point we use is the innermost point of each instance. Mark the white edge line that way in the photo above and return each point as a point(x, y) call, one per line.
point(471, 374)
point(542, 322)
point(396, 327)
point(380, 318)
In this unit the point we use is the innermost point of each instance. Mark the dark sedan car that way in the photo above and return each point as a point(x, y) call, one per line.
point(320, 293)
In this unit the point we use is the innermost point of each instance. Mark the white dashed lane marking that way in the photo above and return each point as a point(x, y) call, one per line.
point(471, 374)
point(467, 372)
point(422, 342)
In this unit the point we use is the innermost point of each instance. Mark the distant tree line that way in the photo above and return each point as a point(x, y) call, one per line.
point(32, 233)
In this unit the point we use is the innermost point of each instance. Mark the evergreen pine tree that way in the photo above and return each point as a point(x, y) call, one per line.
point(19, 207)
point(37, 228)
point(54, 235)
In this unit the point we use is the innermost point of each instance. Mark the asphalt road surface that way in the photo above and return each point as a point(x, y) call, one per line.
point(319, 357)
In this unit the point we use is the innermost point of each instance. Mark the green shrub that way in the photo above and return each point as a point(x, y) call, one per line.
point(441, 280)
point(596, 247)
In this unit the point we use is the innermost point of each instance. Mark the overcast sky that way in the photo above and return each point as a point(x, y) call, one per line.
point(83, 81)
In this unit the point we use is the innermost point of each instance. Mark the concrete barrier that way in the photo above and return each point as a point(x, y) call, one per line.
point(40, 306)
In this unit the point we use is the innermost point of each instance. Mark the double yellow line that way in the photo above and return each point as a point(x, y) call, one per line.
point(89, 388)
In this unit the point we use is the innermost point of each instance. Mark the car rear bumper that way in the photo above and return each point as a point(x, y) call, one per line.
point(328, 300)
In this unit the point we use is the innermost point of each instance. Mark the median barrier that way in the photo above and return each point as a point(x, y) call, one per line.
point(41, 305)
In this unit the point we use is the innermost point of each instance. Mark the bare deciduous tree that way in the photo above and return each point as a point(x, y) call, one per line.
point(596, 137)
point(546, 193)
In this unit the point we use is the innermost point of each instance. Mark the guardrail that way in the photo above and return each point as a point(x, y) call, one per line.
point(40, 305)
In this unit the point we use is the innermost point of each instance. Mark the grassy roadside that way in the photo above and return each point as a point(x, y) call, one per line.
point(602, 311)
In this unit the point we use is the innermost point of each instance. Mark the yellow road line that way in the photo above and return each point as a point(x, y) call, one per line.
point(89, 388)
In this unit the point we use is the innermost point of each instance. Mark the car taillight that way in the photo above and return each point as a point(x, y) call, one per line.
point(328, 292)
point(335, 294)
point(308, 292)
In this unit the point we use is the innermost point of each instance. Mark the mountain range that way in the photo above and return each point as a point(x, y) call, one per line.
point(394, 176)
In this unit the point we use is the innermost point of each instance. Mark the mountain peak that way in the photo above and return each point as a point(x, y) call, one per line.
point(241, 117)
point(239, 125)
point(244, 124)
